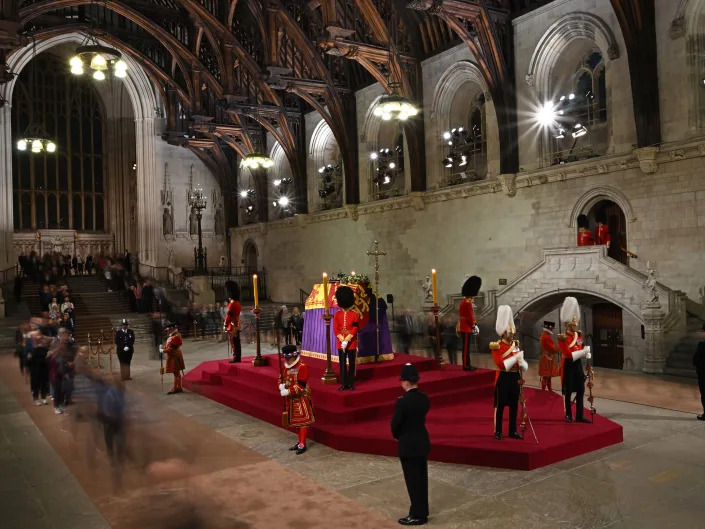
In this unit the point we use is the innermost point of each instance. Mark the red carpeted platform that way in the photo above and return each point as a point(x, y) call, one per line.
point(460, 421)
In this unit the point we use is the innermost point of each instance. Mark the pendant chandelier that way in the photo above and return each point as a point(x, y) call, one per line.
point(99, 60)
point(257, 159)
point(35, 138)
point(392, 105)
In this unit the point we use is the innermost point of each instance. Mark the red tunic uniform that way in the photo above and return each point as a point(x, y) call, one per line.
point(466, 315)
point(549, 365)
point(298, 403)
point(500, 352)
point(602, 235)
point(506, 388)
point(174, 358)
point(346, 323)
point(585, 238)
point(572, 374)
point(232, 318)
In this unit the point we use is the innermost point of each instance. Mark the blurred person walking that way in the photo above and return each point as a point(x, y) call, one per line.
point(699, 363)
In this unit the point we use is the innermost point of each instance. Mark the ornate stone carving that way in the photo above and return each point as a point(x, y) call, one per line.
point(352, 211)
point(654, 355)
point(677, 28)
point(509, 184)
point(678, 154)
point(650, 283)
point(613, 52)
point(647, 159)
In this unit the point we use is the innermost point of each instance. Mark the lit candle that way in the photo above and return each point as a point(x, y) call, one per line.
point(352, 273)
point(435, 290)
point(254, 289)
point(325, 292)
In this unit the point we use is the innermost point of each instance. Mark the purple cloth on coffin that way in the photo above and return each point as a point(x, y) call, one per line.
point(314, 338)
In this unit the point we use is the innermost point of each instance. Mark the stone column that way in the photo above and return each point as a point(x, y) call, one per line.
point(148, 214)
point(7, 251)
point(654, 355)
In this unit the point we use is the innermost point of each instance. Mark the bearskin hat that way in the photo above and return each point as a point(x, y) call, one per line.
point(583, 221)
point(471, 287)
point(290, 351)
point(233, 290)
point(345, 297)
point(601, 216)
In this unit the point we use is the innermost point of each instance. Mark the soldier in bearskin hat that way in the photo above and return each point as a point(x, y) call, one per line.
point(602, 231)
point(174, 358)
point(231, 326)
point(294, 388)
point(346, 324)
point(584, 234)
point(467, 326)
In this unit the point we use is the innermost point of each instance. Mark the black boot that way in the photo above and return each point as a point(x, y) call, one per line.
point(498, 435)
point(568, 418)
point(701, 417)
point(516, 435)
point(583, 419)
point(301, 450)
point(295, 447)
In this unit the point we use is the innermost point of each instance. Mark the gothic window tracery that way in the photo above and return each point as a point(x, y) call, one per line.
point(46, 187)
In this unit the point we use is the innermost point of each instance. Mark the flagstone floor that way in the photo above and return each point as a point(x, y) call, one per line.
point(655, 479)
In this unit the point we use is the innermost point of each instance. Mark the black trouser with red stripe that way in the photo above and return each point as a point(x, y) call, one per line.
point(467, 341)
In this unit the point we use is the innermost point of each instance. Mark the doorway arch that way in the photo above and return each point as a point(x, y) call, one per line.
point(609, 211)
point(250, 256)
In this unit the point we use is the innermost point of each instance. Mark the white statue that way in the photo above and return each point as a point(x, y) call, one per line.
point(427, 289)
point(650, 283)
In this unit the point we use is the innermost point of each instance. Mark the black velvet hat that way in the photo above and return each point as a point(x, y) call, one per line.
point(290, 351)
point(471, 287)
point(233, 290)
point(409, 374)
point(345, 297)
point(583, 221)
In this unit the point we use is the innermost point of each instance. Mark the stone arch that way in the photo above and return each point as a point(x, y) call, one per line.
point(595, 195)
point(449, 86)
point(250, 256)
point(556, 39)
point(322, 143)
point(145, 104)
point(691, 13)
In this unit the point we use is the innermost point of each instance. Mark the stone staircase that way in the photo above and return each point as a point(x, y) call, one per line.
point(680, 359)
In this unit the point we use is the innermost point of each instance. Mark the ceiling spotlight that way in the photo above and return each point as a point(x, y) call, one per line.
point(560, 134)
point(98, 75)
point(22, 145)
point(321, 170)
point(243, 193)
point(387, 179)
point(579, 130)
point(571, 96)
point(392, 165)
point(562, 98)
point(283, 201)
point(546, 114)
point(448, 161)
point(463, 160)
point(277, 183)
point(446, 135)
point(373, 156)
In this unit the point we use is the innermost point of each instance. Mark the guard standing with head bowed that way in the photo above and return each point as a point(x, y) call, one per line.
point(295, 389)
point(509, 359)
point(174, 358)
point(549, 366)
point(125, 348)
point(602, 231)
point(346, 324)
point(584, 234)
point(467, 326)
point(573, 350)
point(232, 320)
point(409, 429)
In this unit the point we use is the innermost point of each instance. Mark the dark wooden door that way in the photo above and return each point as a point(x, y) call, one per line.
point(607, 336)
point(618, 232)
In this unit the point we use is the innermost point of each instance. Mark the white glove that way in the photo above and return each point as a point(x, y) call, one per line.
point(284, 392)
point(282, 387)
point(161, 348)
point(577, 355)
point(523, 365)
point(587, 350)
point(588, 356)
point(126, 349)
point(475, 330)
point(520, 355)
point(509, 362)
point(344, 345)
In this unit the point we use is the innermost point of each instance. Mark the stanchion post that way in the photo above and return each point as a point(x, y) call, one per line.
point(329, 376)
point(439, 356)
point(259, 360)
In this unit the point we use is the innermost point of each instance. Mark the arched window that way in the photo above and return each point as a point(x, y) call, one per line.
point(589, 89)
point(464, 146)
point(48, 186)
point(388, 175)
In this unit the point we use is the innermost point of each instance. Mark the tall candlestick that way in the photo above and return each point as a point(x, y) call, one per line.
point(254, 290)
point(325, 292)
point(435, 290)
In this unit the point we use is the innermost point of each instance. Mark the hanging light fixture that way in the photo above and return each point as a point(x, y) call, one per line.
point(35, 138)
point(392, 105)
point(100, 59)
point(256, 159)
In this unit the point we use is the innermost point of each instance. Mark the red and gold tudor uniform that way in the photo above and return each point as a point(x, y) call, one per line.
point(584, 234)
point(467, 326)
point(294, 388)
point(549, 363)
point(232, 320)
point(346, 324)
point(509, 360)
point(174, 358)
point(572, 350)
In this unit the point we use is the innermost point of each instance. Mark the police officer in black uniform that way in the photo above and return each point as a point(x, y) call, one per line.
point(699, 363)
point(409, 429)
point(125, 347)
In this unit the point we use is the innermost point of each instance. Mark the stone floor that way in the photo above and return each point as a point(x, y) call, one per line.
point(656, 478)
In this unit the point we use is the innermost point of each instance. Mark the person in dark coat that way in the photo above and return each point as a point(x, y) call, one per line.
point(699, 363)
point(125, 347)
point(409, 429)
